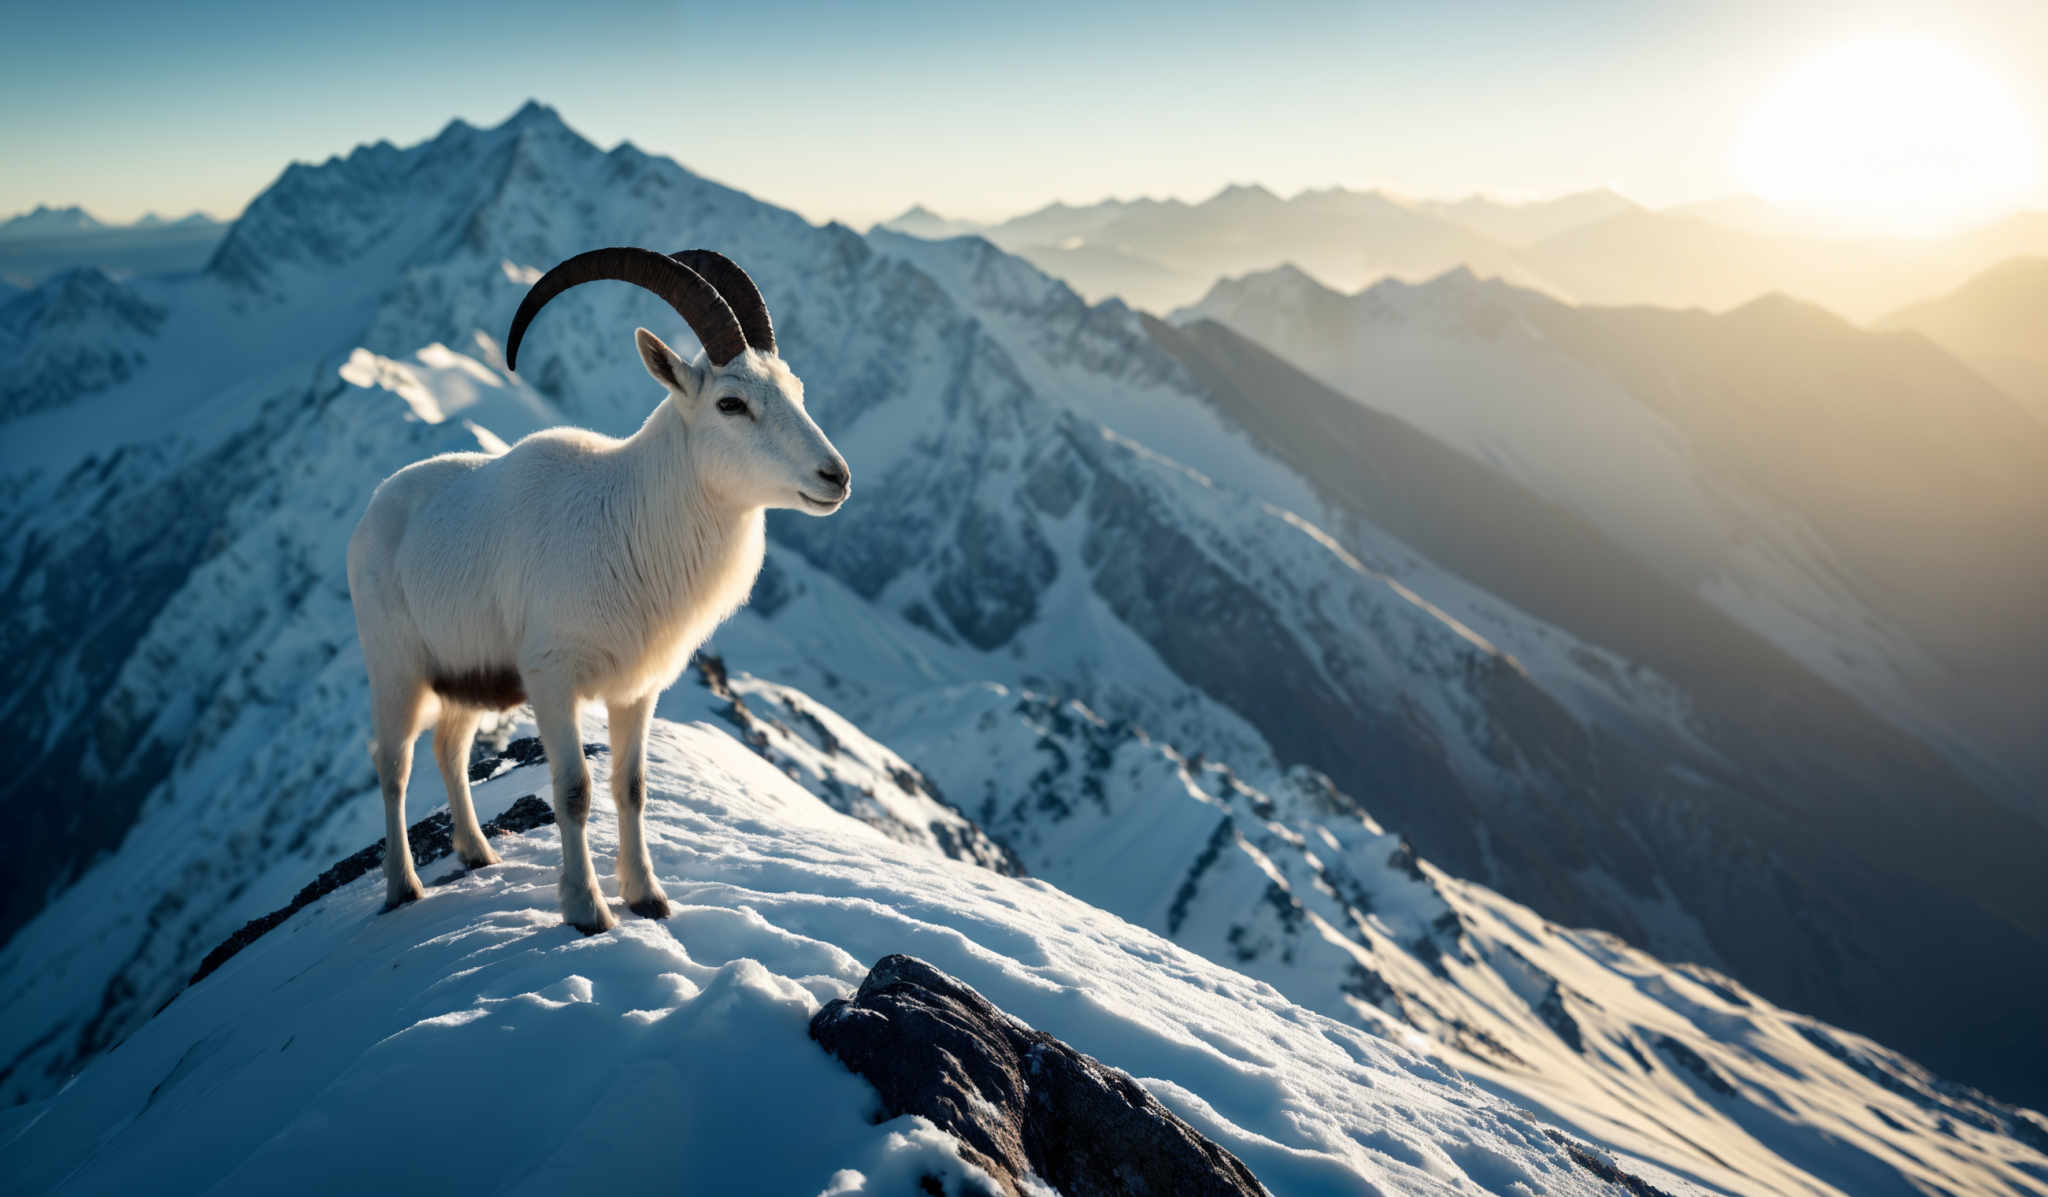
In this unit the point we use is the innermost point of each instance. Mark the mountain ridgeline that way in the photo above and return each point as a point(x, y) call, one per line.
point(1178, 528)
point(1593, 247)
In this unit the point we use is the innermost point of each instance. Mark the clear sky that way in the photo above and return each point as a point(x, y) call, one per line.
point(856, 111)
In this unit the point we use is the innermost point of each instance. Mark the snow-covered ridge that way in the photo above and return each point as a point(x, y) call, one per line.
point(264, 1070)
point(678, 1049)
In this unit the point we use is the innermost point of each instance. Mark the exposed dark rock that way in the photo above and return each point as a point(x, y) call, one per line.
point(1183, 898)
point(808, 719)
point(1551, 1010)
point(1720, 986)
point(1020, 1102)
point(430, 839)
point(1940, 1097)
point(526, 750)
point(711, 668)
point(1696, 1064)
point(1367, 985)
point(1403, 858)
point(1604, 1168)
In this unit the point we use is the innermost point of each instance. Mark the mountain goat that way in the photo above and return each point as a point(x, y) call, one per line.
point(576, 566)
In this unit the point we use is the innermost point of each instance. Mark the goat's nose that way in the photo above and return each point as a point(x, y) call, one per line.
point(836, 475)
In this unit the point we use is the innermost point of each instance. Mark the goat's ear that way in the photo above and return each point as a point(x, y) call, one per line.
point(667, 368)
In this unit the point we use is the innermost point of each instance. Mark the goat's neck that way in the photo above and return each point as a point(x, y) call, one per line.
point(685, 542)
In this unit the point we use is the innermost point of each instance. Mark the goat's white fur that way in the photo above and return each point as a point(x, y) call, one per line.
point(576, 567)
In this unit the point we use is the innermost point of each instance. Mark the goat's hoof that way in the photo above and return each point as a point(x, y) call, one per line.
point(595, 928)
point(651, 908)
point(394, 901)
point(479, 860)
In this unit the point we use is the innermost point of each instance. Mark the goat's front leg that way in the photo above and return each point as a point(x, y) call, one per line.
point(554, 709)
point(629, 723)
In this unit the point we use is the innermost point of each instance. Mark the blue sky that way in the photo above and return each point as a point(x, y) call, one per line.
point(856, 111)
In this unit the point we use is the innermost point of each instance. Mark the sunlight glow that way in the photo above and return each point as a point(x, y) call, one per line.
point(1894, 136)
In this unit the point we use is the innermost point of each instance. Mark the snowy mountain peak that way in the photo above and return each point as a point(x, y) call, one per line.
point(1286, 282)
point(920, 221)
point(534, 114)
point(1786, 314)
point(45, 221)
point(1243, 194)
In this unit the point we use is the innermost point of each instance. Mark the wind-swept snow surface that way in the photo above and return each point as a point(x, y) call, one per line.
point(470, 1042)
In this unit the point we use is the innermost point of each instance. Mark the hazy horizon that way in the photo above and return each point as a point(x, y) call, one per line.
point(858, 116)
point(1506, 196)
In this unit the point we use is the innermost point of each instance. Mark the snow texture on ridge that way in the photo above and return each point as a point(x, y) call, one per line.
point(678, 1049)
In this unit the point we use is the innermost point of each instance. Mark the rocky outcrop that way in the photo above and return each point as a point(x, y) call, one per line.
point(430, 840)
point(1022, 1103)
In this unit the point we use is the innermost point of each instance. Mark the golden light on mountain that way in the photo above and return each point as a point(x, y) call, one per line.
point(1890, 135)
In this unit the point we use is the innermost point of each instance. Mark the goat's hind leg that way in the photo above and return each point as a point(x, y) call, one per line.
point(453, 735)
point(396, 715)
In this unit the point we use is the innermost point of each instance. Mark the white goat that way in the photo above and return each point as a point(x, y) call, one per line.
point(576, 566)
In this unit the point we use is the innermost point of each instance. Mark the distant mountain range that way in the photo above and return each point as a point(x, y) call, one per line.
point(38, 244)
point(1801, 476)
point(45, 221)
point(1593, 247)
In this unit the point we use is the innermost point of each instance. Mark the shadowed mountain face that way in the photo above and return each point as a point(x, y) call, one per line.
point(1799, 764)
point(1998, 322)
point(1861, 501)
point(1689, 258)
point(1054, 495)
point(48, 242)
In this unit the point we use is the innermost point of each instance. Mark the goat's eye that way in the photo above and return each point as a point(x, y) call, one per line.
point(732, 406)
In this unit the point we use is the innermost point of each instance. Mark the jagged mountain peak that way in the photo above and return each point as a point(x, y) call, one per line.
point(1782, 315)
point(468, 188)
point(1243, 194)
point(1286, 281)
point(534, 115)
point(45, 220)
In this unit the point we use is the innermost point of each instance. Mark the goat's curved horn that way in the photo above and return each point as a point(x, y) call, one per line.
point(695, 300)
point(739, 291)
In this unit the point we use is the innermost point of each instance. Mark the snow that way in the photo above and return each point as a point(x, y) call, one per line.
point(523, 1057)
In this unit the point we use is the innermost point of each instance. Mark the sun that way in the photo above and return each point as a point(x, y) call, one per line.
point(1894, 136)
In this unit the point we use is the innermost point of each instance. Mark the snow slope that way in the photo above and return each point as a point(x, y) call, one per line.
point(1288, 880)
point(678, 1049)
point(530, 1058)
